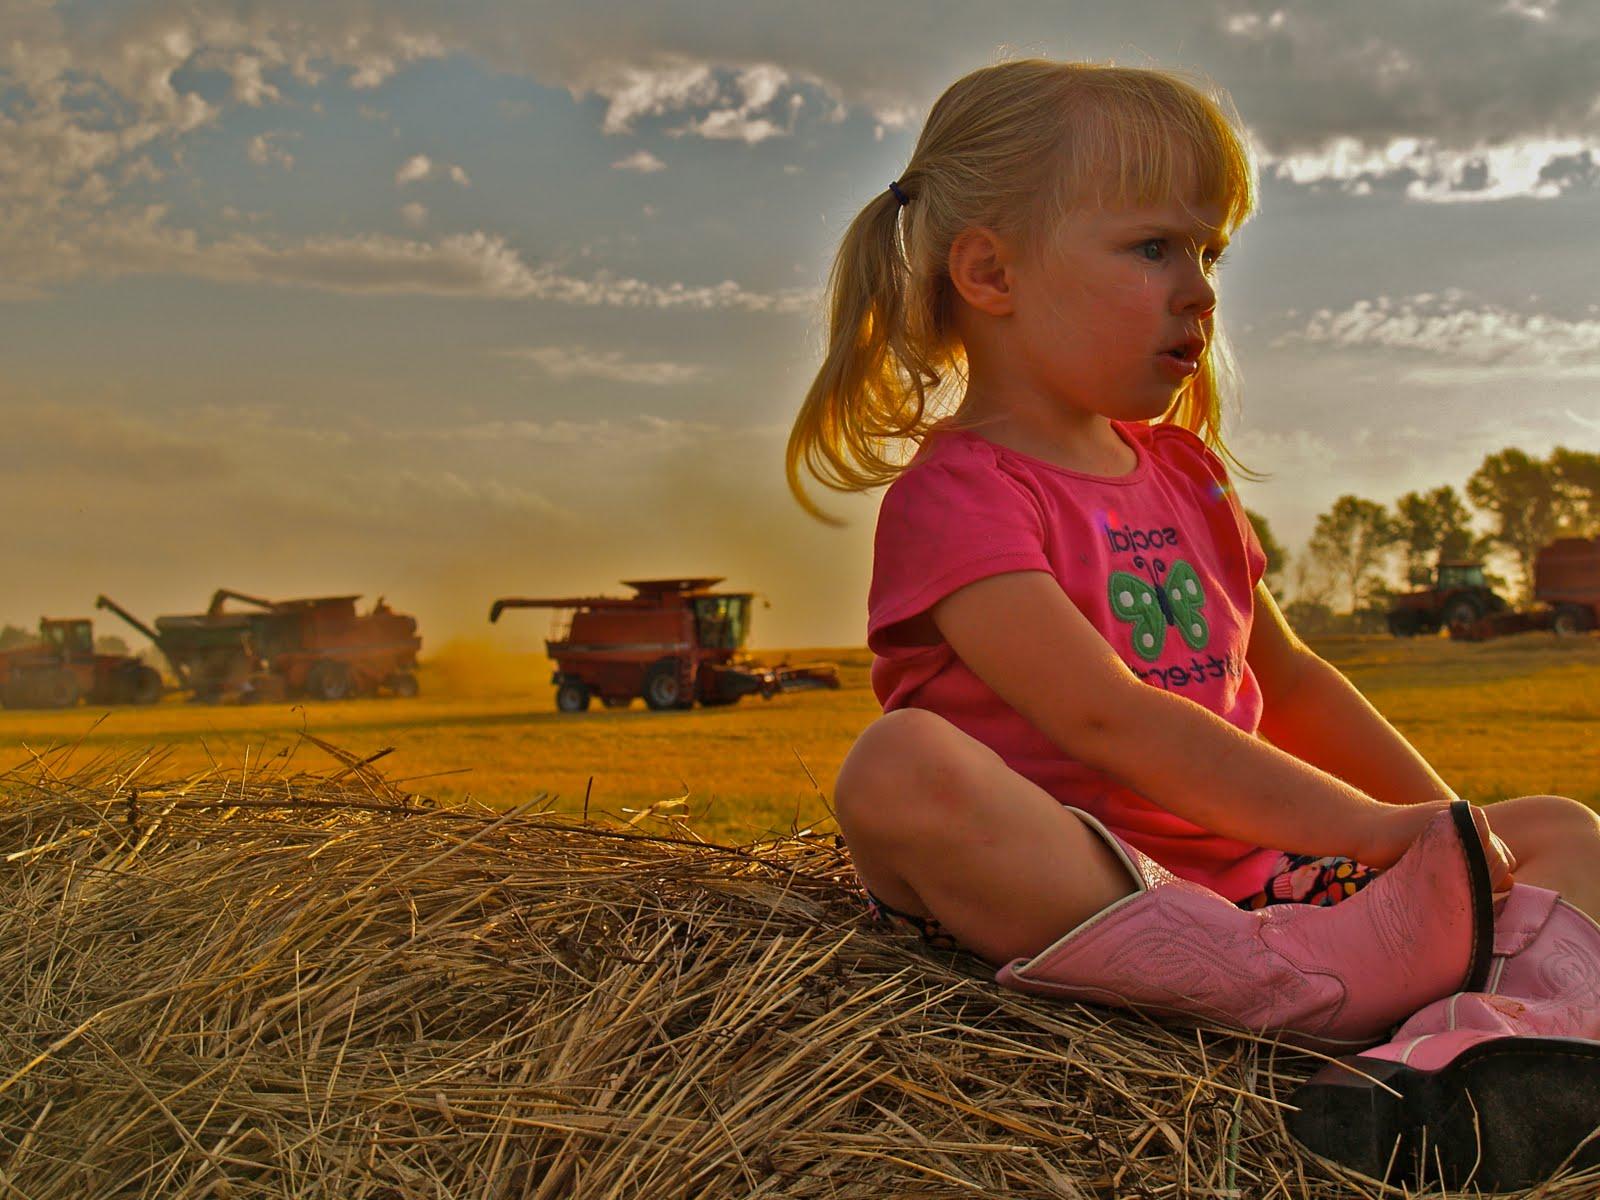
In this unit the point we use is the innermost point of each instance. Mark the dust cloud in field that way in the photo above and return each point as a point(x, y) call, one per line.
point(475, 667)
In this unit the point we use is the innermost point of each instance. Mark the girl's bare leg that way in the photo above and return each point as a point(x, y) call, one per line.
point(939, 825)
point(1556, 844)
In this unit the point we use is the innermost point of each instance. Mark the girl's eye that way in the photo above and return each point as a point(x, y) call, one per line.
point(1151, 251)
point(1213, 259)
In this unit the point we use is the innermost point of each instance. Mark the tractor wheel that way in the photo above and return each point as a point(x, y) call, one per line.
point(1571, 620)
point(403, 684)
point(144, 685)
point(1404, 624)
point(572, 698)
point(328, 680)
point(1460, 616)
point(662, 687)
point(57, 689)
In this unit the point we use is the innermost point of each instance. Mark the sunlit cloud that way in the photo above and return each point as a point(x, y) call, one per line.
point(264, 151)
point(641, 161)
point(1538, 168)
point(415, 168)
point(1481, 342)
point(568, 362)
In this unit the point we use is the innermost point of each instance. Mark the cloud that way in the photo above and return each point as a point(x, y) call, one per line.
point(1537, 168)
point(414, 214)
point(603, 441)
point(475, 264)
point(1481, 342)
point(568, 362)
point(264, 152)
point(458, 176)
point(415, 168)
point(640, 160)
point(53, 441)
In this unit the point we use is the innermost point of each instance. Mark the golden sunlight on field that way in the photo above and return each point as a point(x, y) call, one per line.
point(1500, 718)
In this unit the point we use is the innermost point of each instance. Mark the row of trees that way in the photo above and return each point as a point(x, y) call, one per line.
point(12, 636)
point(1361, 550)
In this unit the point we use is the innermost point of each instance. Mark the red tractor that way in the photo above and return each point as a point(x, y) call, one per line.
point(1459, 598)
point(673, 642)
point(62, 667)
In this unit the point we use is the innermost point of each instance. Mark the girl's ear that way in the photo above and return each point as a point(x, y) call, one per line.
point(981, 270)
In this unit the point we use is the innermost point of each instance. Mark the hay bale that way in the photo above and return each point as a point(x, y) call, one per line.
point(290, 985)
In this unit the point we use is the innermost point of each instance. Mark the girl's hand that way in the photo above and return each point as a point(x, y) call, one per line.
point(1395, 827)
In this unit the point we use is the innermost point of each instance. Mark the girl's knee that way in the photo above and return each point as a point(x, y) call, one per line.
point(905, 764)
point(1552, 820)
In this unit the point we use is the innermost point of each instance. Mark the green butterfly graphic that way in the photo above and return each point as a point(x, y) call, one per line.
point(1151, 605)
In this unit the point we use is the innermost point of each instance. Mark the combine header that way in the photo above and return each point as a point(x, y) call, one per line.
point(319, 647)
point(673, 642)
point(62, 667)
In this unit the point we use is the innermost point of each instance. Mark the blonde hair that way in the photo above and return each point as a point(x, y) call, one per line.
point(1014, 147)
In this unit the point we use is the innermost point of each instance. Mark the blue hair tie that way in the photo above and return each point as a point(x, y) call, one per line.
point(894, 187)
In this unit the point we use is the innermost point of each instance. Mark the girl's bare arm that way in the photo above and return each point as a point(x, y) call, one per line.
point(1022, 636)
point(1317, 715)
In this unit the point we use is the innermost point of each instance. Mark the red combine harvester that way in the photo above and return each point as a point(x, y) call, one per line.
point(62, 667)
point(1566, 588)
point(319, 647)
point(673, 642)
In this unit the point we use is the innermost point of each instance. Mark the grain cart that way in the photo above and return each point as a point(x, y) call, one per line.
point(1459, 597)
point(212, 657)
point(1566, 594)
point(673, 642)
point(62, 667)
point(320, 646)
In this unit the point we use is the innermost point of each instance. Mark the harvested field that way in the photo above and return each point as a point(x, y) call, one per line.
point(316, 985)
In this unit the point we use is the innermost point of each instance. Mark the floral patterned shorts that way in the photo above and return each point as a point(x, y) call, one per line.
point(1296, 879)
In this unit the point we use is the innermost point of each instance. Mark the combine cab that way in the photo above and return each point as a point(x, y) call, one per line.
point(62, 667)
point(673, 642)
point(1459, 598)
point(319, 647)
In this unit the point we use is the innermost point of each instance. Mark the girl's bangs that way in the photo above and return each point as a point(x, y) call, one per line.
point(1149, 149)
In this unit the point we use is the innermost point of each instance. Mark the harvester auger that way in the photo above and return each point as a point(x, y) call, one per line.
point(673, 642)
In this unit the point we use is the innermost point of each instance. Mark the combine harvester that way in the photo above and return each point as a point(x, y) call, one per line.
point(1566, 594)
point(673, 642)
point(62, 668)
point(319, 647)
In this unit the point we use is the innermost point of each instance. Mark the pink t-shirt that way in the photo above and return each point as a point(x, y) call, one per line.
point(1162, 561)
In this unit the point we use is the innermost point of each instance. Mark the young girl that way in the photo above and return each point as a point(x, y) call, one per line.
point(1075, 652)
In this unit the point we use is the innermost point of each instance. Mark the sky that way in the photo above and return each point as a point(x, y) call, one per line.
point(453, 301)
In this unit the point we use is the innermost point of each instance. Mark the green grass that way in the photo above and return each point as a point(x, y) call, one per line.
point(1499, 718)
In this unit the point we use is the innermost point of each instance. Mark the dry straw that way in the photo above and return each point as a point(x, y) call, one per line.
point(269, 983)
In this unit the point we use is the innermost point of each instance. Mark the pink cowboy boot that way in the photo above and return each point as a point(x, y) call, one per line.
point(1336, 976)
point(1494, 1087)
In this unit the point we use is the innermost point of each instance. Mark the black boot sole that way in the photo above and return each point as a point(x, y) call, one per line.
point(1503, 1115)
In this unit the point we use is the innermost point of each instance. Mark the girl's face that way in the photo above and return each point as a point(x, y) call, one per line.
point(1114, 315)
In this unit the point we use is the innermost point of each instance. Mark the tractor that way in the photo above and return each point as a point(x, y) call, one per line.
point(673, 642)
point(1459, 598)
point(62, 667)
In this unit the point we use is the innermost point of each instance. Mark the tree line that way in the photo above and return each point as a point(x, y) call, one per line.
point(1361, 551)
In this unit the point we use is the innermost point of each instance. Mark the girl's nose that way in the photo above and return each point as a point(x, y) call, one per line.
point(1197, 295)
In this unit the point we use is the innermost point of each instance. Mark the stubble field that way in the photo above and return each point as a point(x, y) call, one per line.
point(1500, 718)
